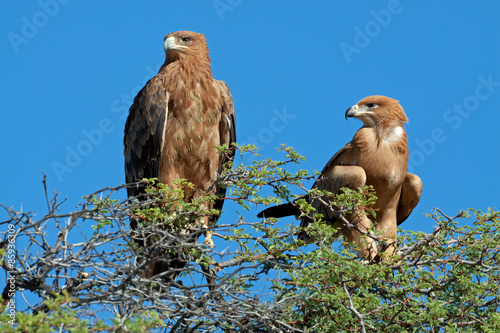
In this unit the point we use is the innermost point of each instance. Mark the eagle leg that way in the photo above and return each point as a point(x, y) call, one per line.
point(353, 177)
point(367, 247)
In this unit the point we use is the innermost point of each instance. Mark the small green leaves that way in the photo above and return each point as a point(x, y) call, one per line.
point(259, 276)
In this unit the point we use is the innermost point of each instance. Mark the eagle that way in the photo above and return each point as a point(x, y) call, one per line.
point(173, 128)
point(377, 156)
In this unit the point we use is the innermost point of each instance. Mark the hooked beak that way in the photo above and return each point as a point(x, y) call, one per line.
point(171, 45)
point(351, 112)
point(357, 112)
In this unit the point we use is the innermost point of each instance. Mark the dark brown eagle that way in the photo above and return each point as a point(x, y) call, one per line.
point(377, 156)
point(174, 125)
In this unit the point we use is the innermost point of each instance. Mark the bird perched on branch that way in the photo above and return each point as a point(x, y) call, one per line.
point(377, 156)
point(174, 125)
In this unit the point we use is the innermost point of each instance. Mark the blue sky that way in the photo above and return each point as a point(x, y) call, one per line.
point(70, 69)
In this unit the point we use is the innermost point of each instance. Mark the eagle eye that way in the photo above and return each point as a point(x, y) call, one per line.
point(186, 39)
point(371, 105)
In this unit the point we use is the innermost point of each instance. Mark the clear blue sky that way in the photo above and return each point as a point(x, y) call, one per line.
point(69, 70)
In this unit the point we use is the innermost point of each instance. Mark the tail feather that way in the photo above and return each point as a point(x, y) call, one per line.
point(283, 210)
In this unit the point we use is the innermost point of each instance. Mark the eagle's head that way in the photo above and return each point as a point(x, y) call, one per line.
point(376, 111)
point(184, 45)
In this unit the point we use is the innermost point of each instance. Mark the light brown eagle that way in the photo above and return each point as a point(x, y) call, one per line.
point(174, 125)
point(377, 156)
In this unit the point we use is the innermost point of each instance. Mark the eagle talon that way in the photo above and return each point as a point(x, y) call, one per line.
point(208, 239)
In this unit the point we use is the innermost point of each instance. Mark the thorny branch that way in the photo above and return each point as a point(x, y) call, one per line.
point(351, 307)
point(59, 253)
point(100, 269)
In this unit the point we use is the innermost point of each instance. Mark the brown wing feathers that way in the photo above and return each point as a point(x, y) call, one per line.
point(143, 129)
